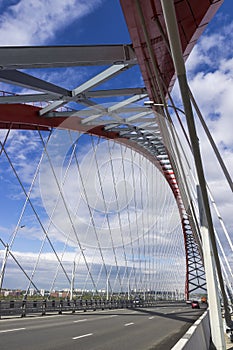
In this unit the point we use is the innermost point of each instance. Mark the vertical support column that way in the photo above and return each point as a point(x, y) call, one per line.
point(216, 322)
point(3, 266)
point(107, 288)
point(72, 282)
point(174, 40)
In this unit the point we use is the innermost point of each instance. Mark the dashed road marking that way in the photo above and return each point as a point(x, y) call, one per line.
point(85, 319)
point(94, 318)
point(128, 324)
point(83, 336)
point(12, 330)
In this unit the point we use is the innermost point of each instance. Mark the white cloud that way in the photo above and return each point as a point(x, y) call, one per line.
point(213, 88)
point(125, 210)
point(32, 22)
point(156, 211)
point(209, 69)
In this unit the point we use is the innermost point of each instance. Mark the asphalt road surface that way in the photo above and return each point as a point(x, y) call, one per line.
point(151, 328)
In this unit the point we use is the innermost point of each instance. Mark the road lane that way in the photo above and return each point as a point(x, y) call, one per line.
point(100, 330)
point(11, 330)
point(162, 332)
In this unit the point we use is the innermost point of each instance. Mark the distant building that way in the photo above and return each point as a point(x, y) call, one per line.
point(31, 292)
point(54, 294)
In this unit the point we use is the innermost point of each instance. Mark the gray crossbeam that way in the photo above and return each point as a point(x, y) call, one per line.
point(25, 57)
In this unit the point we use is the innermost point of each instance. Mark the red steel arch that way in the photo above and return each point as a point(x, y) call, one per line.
point(27, 118)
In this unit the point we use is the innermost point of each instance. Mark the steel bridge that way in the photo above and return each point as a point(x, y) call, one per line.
point(110, 166)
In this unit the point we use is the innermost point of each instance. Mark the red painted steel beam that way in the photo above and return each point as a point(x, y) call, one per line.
point(192, 16)
point(26, 117)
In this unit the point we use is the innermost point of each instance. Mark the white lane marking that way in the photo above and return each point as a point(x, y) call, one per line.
point(12, 330)
point(128, 324)
point(151, 318)
point(94, 318)
point(83, 336)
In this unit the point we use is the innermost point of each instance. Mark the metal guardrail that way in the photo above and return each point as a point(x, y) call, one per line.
point(43, 307)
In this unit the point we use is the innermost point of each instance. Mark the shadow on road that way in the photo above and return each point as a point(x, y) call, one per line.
point(187, 315)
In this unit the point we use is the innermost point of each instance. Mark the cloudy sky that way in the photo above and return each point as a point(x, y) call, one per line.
point(211, 81)
point(72, 22)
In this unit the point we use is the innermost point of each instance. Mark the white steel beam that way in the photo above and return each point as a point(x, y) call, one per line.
point(115, 92)
point(115, 118)
point(25, 98)
point(99, 108)
point(149, 124)
point(25, 80)
point(99, 78)
point(137, 116)
point(133, 109)
point(25, 57)
point(142, 120)
point(39, 97)
point(127, 102)
point(111, 110)
point(89, 112)
point(96, 80)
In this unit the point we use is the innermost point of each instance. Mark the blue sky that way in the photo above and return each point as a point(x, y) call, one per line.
point(56, 22)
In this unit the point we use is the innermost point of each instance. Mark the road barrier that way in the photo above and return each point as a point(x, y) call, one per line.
point(197, 336)
point(43, 307)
